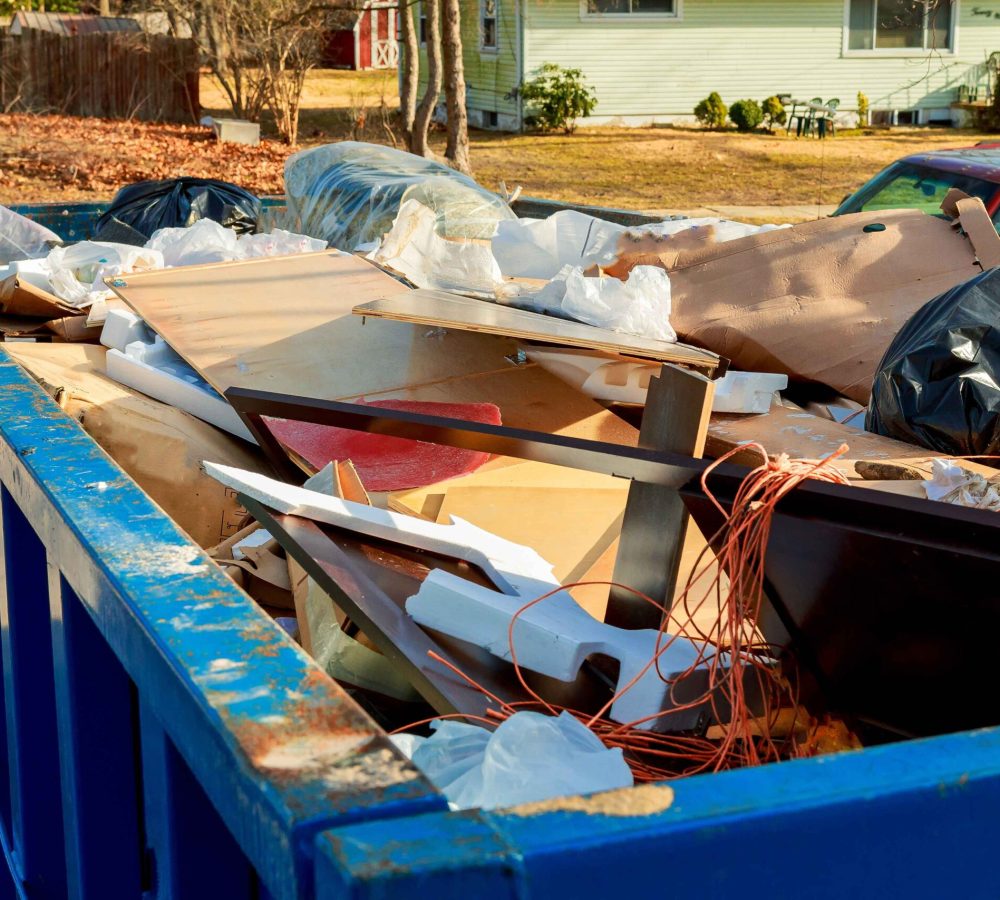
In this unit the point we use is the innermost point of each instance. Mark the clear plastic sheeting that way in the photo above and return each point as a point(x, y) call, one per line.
point(530, 757)
point(415, 250)
point(349, 194)
point(20, 238)
point(208, 242)
point(640, 305)
point(77, 273)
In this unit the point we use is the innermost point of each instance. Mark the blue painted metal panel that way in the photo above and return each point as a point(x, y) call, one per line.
point(76, 221)
point(916, 819)
point(29, 695)
point(95, 709)
point(279, 750)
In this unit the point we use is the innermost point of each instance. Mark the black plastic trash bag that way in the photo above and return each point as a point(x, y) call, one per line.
point(147, 206)
point(938, 384)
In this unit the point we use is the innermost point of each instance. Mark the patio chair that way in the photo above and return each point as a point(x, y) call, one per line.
point(828, 119)
point(806, 119)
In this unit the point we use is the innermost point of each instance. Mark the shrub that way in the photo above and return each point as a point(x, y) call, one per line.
point(862, 109)
point(746, 114)
point(558, 97)
point(774, 113)
point(711, 112)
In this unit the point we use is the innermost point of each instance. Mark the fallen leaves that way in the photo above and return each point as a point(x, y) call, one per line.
point(53, 157)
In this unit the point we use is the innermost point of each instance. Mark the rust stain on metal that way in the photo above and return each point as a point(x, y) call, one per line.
point(646, 800)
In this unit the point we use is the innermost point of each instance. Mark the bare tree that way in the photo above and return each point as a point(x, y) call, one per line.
point(457, 151)
point(409, 69)
point(425, 110)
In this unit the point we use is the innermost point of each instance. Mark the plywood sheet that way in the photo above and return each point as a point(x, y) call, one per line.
point(285, 325)
point(451, 311)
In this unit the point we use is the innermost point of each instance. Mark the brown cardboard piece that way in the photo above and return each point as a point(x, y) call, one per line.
point(20, 298)
point(160, 447)
point(820, 301)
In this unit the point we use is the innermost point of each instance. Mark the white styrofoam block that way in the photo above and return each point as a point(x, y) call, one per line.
point(172, 381)
point(553, 637)
point(746, 392)
point(34, 272)
point(123, 327)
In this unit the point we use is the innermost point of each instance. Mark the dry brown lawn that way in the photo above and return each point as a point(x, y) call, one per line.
point(642, 168)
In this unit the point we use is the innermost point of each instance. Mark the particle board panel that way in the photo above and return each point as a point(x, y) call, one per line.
point(451, 311)
point(284, 324)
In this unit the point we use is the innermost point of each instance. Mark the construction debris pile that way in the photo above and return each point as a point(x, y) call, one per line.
point(491, 472)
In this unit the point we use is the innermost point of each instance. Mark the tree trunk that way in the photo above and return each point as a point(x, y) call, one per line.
point(457, 152)
point(410, 69)
point(422, 119)
point(104, 7)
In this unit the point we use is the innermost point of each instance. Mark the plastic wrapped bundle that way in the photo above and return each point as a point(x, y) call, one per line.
point(349, 193)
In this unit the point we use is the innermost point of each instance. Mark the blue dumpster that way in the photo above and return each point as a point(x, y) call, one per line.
point(163, 738)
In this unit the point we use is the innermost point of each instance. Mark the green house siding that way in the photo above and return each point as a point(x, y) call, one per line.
point(659, 68)
point(490, 75)
point(754, 48)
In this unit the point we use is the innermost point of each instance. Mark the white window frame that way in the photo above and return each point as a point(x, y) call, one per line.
point(898, 52)
point(676, 16)
point(496, 27)
point(421, 41)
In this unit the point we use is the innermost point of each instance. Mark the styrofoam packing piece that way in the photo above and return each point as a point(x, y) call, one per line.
point(32, 271)
point(747, 392)
point(627, 381)
point(123, 327)
point(553, 637)
point(143, 361)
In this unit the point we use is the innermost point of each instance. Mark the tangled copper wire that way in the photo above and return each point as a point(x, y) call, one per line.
point(746, 691)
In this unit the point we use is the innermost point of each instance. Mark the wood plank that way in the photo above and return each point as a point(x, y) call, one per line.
point(451, 311)
point(676, 420)
point(804, 436)
point(285, 325)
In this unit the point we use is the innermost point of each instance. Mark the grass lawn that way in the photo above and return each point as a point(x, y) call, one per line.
point(643, 168)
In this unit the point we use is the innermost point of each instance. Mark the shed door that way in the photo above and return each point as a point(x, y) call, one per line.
point(386, 51)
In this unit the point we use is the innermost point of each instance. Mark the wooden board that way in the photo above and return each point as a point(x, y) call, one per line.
point(284, 324)
point(451, 311)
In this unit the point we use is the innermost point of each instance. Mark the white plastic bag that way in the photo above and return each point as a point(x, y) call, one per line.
point(205, 241)
point(539, 248)
point(277, 243)
point(77, 273)
point(20, 238)
point(639, 306)
point(529, 757)
point(415, 250)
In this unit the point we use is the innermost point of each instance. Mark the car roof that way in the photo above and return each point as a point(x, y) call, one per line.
point(980, 161)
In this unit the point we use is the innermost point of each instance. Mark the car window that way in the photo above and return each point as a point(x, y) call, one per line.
point(906, 186)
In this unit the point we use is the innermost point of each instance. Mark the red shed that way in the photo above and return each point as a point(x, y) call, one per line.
point(366, 40)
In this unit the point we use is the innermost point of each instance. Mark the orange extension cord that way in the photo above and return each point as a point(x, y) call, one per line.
point(730, 650)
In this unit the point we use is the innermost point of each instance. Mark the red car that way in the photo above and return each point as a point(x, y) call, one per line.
point(920, 181)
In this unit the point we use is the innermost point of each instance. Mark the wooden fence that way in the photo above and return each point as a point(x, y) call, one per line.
point(114, 75)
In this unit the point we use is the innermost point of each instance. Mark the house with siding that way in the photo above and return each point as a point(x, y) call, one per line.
point(652, 60)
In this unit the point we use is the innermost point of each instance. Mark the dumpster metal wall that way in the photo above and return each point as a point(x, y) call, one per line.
point(159, 733)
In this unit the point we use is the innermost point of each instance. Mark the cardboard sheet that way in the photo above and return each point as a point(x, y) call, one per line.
point(819, 301)
point(20, 298)
point(284, 324)
point(451, 311)
point(160, 447)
